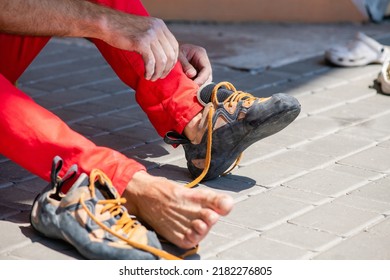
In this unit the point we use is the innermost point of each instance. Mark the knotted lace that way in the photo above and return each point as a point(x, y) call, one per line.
point(116, 209)
point(234, 98)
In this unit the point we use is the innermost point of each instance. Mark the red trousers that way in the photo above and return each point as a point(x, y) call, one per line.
point(32, 136)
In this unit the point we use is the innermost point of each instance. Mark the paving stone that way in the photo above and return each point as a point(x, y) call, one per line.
point(269, 173)
point(374, 159)
point(361, 202)
point(314, 103)
point(249, 83)
point(172, 172)
point(236, 186)
point(219, 237)
point(337, 219)
point(68, 97)
point(299, 195)
point(116, 142)
point(33, 185)
point(86, 131)
point(223, 73)
point(360, 111)
point(14, 236)
point(356, 74)
point(364, 131)
point(301, 159)
point(59, 67)
point(377, 190)
point(371, 244)
point(301, 237)
point(10, 171)
point(384, 144)
point(258, 151)
point(264, 211)
point(325, 182)
point(335, 145)
point(17, 198)
point(143, 132)
point(314, 126)
point(64, 54)
point(365, 175)
point(46, 249)
point(158, 152)
point(351, 91)
point(262, 249)
point(6, 211)
point(306, 67)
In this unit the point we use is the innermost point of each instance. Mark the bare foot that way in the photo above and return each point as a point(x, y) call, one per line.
point(182, 216)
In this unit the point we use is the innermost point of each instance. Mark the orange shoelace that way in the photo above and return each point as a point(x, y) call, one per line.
point(235, 97)
point(126, 222)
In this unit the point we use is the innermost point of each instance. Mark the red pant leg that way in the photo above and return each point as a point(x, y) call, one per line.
point(17, 52)
point(170, 103)
point(31, 136)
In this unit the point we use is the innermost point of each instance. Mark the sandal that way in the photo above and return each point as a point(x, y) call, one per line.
point(384, 78)
point(363, 50)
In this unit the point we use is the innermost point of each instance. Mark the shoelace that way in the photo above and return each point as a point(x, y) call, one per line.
point(235, 97)
point(126, 222)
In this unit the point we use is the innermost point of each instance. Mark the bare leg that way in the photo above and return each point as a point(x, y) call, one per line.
point(181, 215)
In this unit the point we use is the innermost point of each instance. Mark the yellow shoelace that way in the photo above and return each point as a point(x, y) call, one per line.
point(126, 222)
point(235, 97)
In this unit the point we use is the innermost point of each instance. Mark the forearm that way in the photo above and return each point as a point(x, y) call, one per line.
point(71, 18)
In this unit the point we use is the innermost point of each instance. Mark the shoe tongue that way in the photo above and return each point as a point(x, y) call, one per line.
point(204, 95)
point(104, 191)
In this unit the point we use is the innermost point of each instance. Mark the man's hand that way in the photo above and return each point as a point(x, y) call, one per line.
point(196, 64)
point(148, 36)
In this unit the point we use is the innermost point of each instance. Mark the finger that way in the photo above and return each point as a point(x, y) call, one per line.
point(173, 42)
point(171, 56)
point(149, 61)
point(161, 61)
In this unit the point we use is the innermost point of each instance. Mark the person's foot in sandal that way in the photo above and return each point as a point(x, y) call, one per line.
point(363, 50)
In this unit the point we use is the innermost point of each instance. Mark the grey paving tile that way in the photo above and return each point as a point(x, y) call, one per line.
point(335, 145)
point(377, 190)
point(358, 201)
point(314, 126)
point(371, 244)
point(299, 195)
point(326, 182)
point(366, 175)
point(10, 171)
point(375, 159)
point(302, 159)
point(262, 249)
point(337, 219)
point(301, 237)
point(269, 173)
point(15, 236)
point(17, 198)
point(46, 249)
point(221, 235)
point(360, 111)
point(264, 211)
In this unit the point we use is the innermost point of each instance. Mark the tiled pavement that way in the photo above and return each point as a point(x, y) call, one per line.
point(320, 189)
